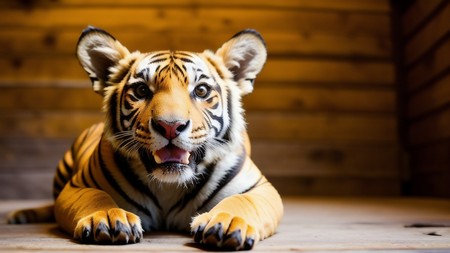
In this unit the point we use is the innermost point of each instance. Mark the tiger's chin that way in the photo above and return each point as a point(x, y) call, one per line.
point(173, 173)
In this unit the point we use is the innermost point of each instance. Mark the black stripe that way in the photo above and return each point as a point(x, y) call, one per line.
point(132, 178)
point(179, 72)
point(112, 110)
point(159, 54)
point(218, 119)
point(224, 181)
point(60, 175)
point(227, 135)
point(109, 177)
point(148, 162)
point(73, 149)
point(122, 72)
point(133, 121)
point(185, 59)
point(157, 60)
point(87, 146)
point(56, 189)
point(133, 98)
point(83, 178)
point(253, 186)
point(203, 76)
point(72, 184)
point(94, 162)
point(132, 114)
point(199, 155)
point(127, 105)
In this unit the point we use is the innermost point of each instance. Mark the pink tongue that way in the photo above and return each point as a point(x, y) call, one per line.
point(171, 154)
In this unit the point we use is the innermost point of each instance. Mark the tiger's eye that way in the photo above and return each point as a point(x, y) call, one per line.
point(141, 91)
point(202, 91)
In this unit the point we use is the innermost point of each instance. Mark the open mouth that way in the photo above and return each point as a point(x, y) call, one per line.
point(171, 164)
point(171, 154)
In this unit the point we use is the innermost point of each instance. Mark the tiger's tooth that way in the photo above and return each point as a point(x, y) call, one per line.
point(185, 158)
point(157, 158)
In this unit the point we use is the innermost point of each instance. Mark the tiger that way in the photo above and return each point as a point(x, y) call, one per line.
point(172, 153)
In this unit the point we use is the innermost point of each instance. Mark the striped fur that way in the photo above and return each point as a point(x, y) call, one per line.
point(172, 153)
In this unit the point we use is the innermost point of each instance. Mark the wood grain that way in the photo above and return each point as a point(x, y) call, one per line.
point(200, 19)
point(309, 225)
point(265, 97)
point(426, 28)
point(44, 42)
point(431, 129)
point(322, 126)
point(275, 70)
point(324, 104)
point(430, 69)
point(342, 5)
point(432, 98)
point(417, 14)
point(433, 31)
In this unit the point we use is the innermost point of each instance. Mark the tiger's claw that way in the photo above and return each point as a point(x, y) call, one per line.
point(115, 226)
point(223, 231)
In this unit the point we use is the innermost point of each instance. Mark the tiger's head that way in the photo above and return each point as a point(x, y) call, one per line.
point(178, 112)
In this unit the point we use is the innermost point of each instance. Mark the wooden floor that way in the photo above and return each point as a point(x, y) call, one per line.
point(309, 225)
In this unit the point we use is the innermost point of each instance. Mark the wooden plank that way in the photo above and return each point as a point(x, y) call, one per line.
point(322, 126)
point(436, 28)
point(417, 13)
point(427, 70)
point(287, 126)
point(335, 186)
point(275, 70)
point(326, 159)
point(265, 97)
point(16, 42)
point(374, 73)
point(47, 124)
point(227, 20)
point(55, 83)
point(49, 98)
point(430, 129)
point(310, 224)
point(305, 99)
point(431, 98)
point(33, 154)
point(342, 5)
point(31, 185)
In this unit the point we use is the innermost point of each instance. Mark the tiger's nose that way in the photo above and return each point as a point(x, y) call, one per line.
point(170, 129)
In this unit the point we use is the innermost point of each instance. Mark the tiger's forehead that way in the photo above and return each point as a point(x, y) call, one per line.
point(186, 66)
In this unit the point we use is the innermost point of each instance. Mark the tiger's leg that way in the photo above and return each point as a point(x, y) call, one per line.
point(32, 215)
point(240, 221)
point(92, 216)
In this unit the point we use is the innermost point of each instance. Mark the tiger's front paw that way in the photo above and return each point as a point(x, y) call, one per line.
point(115, 226)
point(224, 231)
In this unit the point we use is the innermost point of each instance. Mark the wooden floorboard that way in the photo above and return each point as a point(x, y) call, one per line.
point(309, 225)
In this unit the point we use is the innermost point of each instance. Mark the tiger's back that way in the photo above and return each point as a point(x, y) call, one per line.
point(76, 157)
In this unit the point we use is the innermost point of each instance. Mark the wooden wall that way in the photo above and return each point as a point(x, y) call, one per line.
point(322, 117)
point(425, 39)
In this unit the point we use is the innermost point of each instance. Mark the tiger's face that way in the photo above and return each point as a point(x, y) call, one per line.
point(176, 112)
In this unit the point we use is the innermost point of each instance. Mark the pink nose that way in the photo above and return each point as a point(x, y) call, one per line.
point(169, 129)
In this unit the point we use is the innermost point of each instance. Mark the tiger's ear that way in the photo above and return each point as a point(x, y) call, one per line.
point(97, 52)
point(244, 55)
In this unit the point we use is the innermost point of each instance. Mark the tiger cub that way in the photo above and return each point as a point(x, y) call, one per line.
point(172, 153)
